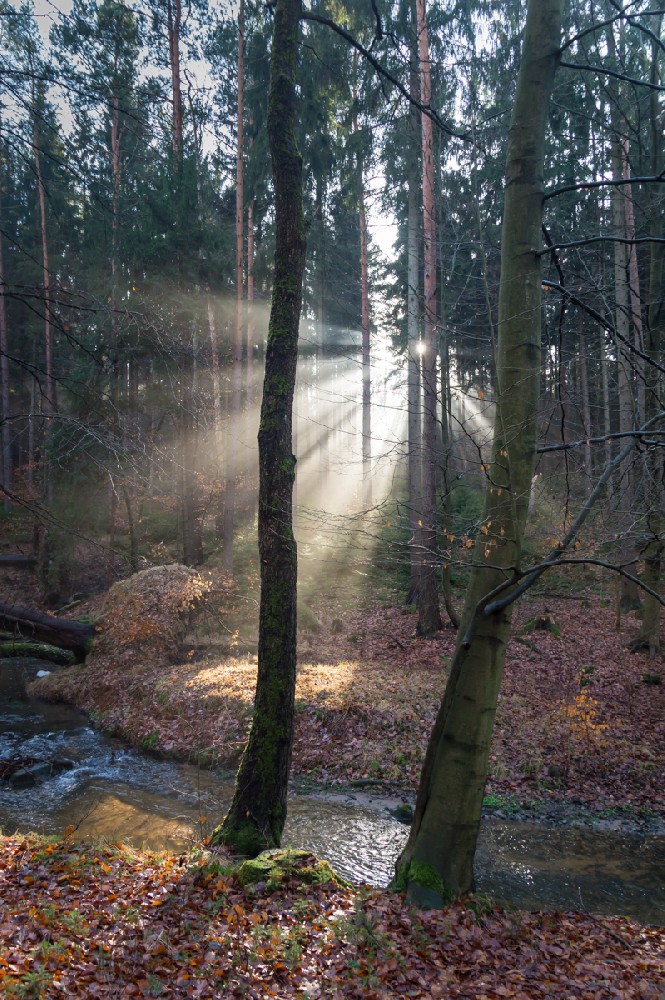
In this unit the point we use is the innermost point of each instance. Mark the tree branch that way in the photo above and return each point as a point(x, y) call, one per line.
point(612, 73)
point(599, 239)
point(588, 185)
point(630, 347)
point(603, 24)
point(567, 445)
point(383, 72)
point(488, 606)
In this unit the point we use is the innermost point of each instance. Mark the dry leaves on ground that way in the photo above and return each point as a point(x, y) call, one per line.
point(79, 921)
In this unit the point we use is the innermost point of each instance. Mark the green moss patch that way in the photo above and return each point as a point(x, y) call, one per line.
point(277, 866)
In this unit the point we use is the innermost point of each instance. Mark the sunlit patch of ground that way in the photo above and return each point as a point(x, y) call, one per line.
point(576, 720)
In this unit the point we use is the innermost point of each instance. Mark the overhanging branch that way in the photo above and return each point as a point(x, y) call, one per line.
point(620, 182)
point(613, 74)
point(383, 72)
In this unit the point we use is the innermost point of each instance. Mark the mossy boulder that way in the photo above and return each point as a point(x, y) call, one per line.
point(287, 863)
point(146, 617)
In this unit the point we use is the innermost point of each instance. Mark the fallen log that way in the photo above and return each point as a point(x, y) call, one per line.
point(65, 633)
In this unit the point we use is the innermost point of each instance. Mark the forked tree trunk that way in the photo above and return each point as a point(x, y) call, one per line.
point(256, 817)
point(437, 862)
point(429, 616)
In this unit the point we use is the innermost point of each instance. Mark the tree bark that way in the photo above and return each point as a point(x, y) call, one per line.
point(654, 484)
point(7, 467)
point(437, 862)
point(414, 443)
point(429, 615)
point(257, 813)
point(624, 493)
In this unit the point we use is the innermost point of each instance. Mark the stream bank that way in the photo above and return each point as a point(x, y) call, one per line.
point(114, 792)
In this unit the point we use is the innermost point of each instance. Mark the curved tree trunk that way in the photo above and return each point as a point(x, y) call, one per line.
point(257, 814)
point(437, 862)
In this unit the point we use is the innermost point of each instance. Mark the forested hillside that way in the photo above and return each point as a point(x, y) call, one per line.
point(341, 323)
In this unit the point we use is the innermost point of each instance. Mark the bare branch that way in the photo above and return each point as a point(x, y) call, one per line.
point(489, 605)
point(383, 72)
point(600, 239)
point(612, 73)
point(589, 185)
point(630, 347)
point(598, 25)
point(600, 439)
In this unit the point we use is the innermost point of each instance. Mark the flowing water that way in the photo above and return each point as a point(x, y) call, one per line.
point(107, 790)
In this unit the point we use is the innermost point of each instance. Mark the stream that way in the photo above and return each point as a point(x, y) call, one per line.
point(106, 790)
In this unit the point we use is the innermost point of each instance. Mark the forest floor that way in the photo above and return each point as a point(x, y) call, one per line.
point(580, 728)
point(580, 738)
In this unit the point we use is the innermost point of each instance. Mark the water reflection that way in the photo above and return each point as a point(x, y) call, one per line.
point(119, 794)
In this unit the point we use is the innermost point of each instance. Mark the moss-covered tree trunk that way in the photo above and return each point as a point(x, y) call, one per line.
point(257, 814)
point(437, 862)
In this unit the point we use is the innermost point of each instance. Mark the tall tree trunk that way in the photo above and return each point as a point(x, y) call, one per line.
point(585, 407)
point(240, 188)
point(634, 288)
point(437, 862)
point(49, 404)
point(192, 541)
point(5, 415)
point(250, 293)
point(625, 490)
point(233, 465)
point(654, 483)
point(256, 817)
point(364, 324)
point(414, 440)
point(429, 616)
point(114, 375)
point(606, 407)
point(174, 18)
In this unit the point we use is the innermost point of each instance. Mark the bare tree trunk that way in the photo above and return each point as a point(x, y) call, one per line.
point(655, 478)
point(414, 429)
point(234, 420)
point(429, 615)
point(250, 289)
point(585, 407)
point(257, 813)
point(625, 490)
point(114, 375)
point(49, 404)
point(240, 188)
point(365, 332)
point(5, 412)
point(174, 18)
point(634, 287)
point(437, 862)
